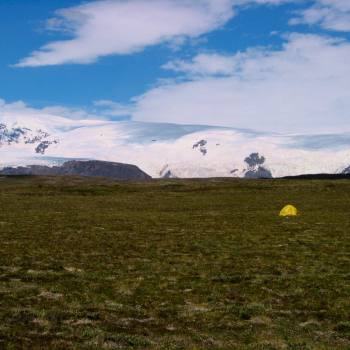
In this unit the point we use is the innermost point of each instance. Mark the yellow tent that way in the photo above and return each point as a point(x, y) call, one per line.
point(289, 210)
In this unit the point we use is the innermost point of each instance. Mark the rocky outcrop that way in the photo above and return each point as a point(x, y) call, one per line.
point(202, 146)
point(166, 173)
point(346, 170)
point(92, 168)
point(255, 169)
point(259, 173)
point(43, 146)
point(9, 136)
point(39, 138)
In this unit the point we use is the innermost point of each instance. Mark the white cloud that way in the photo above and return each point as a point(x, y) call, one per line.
point(107, 27)
point(329, 14)
point(304, 87)
point(204, 64)
point(21, 108)
point(100, 110)
point(113, 109)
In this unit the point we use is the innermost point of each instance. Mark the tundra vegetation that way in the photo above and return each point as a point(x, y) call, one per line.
point(173, 264)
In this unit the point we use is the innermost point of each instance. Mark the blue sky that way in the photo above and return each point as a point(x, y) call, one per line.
point(209, 62)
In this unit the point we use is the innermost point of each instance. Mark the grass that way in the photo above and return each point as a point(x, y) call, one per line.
point(206, 264)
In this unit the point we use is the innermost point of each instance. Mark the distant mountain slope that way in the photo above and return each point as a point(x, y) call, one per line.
point(319, 177)
point(116, 171)
point(169, 150)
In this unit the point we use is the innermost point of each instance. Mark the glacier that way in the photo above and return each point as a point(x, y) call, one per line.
point(170, 150)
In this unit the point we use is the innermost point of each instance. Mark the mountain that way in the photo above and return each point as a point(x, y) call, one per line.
point(116, 171)
point(340, 176)
point(346, 171)
point(169, 150)
point(256, 170)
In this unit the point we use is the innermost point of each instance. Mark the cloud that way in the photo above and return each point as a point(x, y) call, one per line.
point(99, 110)
point(203, 64)
point(303, 87)
point(113, 109)
point(329, 14)
point(119, 27)
point(21, 108)
point(107, 27)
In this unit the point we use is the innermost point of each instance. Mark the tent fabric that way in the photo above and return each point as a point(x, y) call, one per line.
point(289, 210)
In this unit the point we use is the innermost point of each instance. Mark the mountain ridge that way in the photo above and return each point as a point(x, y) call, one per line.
point(185, 151)
point(117, 171)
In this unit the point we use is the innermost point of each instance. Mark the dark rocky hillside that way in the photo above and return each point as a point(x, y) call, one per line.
point(92, 168)
point(319, 177)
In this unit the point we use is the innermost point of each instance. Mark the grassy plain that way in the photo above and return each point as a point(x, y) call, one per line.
point(180, 264)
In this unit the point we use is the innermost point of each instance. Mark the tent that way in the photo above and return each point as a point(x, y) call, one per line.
point(289, 210)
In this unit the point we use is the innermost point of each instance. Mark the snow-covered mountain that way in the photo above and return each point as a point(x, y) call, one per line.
point(169, 150)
